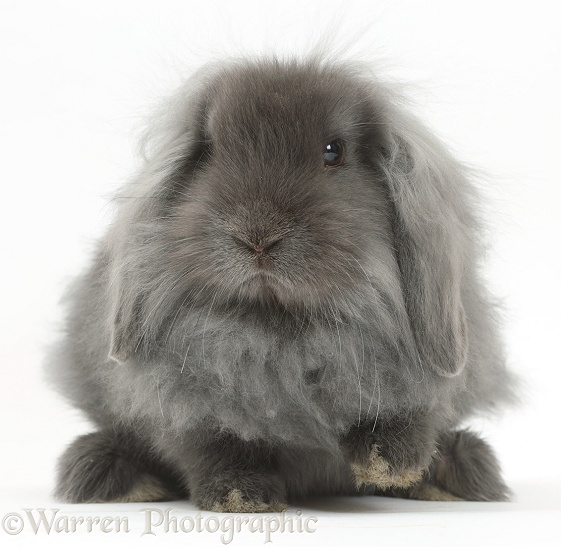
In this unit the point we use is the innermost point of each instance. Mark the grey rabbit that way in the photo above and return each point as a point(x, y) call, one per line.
point(287, 304)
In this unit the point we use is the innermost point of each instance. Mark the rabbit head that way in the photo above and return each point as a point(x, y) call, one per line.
point(300, 190)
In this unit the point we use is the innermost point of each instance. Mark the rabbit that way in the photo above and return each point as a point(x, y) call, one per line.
point(287, 304)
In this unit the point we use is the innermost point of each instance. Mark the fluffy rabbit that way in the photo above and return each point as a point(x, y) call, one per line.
point(287, 304)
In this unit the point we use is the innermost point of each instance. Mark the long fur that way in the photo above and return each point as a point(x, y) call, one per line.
point(370, 305)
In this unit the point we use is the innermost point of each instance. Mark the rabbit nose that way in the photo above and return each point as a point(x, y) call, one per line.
point(259, 247)
point(263, 246)
point(266, 245)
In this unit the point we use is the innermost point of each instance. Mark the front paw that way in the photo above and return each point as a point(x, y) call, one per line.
point(242, 493)
point(391, 453)
point(235, 501)
point(378, 471)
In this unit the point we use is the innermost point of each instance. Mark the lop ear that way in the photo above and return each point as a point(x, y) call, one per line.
point(125, 325)
point(171, 147)
point(432, 226)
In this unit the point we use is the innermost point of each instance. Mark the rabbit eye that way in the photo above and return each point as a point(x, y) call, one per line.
point(333, 154)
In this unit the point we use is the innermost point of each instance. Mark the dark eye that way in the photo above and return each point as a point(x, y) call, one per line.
point(333, 154)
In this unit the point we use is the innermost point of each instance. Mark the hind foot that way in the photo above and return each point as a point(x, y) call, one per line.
point(109, 467)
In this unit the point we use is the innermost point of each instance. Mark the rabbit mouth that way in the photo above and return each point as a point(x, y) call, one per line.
point(264, 265)
point(265, 286)
point(264, 278)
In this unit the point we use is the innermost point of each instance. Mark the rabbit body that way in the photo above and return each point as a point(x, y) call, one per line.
point(287, 304)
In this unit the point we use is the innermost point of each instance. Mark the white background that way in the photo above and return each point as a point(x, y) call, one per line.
point(77, 80)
